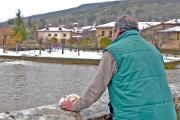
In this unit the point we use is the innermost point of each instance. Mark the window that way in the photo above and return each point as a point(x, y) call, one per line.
point(110, 35)
point(55, 35)
point(67, 40)
point(63, 41)
point(102, 33)
point(64, 35)
point(49, 35)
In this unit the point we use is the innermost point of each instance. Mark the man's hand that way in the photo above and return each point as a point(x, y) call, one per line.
point(67, 105)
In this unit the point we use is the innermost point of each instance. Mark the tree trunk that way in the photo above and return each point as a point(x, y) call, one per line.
point(4, 41)
point(50, 48)
point(16, 48)
point(62, 48)
point(4, 45)
point(70, 46)
point(78, 48)
point(39, 48)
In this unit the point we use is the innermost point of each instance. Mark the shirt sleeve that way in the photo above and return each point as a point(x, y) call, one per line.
point(106, 70)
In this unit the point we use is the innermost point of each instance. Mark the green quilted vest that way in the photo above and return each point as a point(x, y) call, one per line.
point(139, 89)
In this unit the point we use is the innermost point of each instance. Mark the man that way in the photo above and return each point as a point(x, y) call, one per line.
point(134, 72)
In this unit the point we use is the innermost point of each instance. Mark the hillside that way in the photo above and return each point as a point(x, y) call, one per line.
point(99, 13)
point(67, 11)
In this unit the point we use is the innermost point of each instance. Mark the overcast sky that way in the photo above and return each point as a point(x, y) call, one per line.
point(8, 8)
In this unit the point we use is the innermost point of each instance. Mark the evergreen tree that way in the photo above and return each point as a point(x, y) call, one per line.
point(60, 21)
point(29, 23)
point(42, 23)
point(33, 28)
point(128, 12)
point(91, 17)
point(11, 21)
point(19, 30)
point(102, 21)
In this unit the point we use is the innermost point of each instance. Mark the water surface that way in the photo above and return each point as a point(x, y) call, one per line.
point(25, 84)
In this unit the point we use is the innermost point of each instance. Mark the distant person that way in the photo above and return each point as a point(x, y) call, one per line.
point(134, 72)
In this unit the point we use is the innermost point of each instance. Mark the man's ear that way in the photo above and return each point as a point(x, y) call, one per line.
point(117, 31)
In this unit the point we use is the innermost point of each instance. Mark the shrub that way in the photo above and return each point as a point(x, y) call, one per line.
point(104, 42)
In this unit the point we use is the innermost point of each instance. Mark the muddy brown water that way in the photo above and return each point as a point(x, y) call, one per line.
point(25, 84)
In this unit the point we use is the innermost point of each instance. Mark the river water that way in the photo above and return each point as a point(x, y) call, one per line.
point(25, 84)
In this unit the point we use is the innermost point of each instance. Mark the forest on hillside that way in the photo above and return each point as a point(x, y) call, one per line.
point(100, 13)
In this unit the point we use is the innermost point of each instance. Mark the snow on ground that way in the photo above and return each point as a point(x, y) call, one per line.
point(171, 59)
point(68, 54)
point(55, 54)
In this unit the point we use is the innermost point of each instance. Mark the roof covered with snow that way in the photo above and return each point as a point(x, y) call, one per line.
point(174, 29)
point(91, 30)
point(107, 25)
point(84, 29)
point(53, 29)
point(144, 25)
point(87, 27)
point(75, 23)
point(174, 21)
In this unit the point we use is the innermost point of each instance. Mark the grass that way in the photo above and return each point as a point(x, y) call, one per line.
point(171, 65)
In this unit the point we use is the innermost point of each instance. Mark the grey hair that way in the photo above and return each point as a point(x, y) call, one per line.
point(126, 23)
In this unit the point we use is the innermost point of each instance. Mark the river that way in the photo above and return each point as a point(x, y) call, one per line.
point(25, 84)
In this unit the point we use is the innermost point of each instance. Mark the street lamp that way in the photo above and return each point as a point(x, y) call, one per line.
point(78, 42)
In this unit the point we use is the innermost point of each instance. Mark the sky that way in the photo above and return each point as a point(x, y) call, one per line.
point(9, 8)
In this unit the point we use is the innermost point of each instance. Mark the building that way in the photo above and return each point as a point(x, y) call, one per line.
point(147, 28)
point(63, 35)
point(164, 33)
point(172, 38)
point(168, 31)
point(104, 30)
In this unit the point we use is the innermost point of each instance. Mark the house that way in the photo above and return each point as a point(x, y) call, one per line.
point(172, 38)
point(84, 31)
point(104, 30)
point(63, 35)
point(164, 33)
point(148, 28)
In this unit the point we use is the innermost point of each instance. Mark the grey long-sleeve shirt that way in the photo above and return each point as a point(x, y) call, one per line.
point(107, 68)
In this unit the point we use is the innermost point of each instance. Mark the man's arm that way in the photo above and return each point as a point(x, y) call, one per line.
point(106, 70)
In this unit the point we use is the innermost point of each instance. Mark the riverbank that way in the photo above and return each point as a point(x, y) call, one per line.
point(98, 111)
point(69, 57)
point(54, 60)
point(170, 62)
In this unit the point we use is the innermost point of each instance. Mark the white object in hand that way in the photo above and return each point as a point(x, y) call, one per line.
point(71, 97)
point(61, 100)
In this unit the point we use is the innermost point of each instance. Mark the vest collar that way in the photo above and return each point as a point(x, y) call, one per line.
point(125, 34)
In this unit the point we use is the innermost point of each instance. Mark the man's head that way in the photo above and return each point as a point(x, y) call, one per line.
point(123, 24)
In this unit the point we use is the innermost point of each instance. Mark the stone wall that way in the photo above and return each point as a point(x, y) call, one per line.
point(175, 90)
point(98, 111)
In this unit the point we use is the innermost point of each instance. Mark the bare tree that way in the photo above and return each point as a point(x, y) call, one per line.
point(39, 37)
point(155, 37)
point(5, 31)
